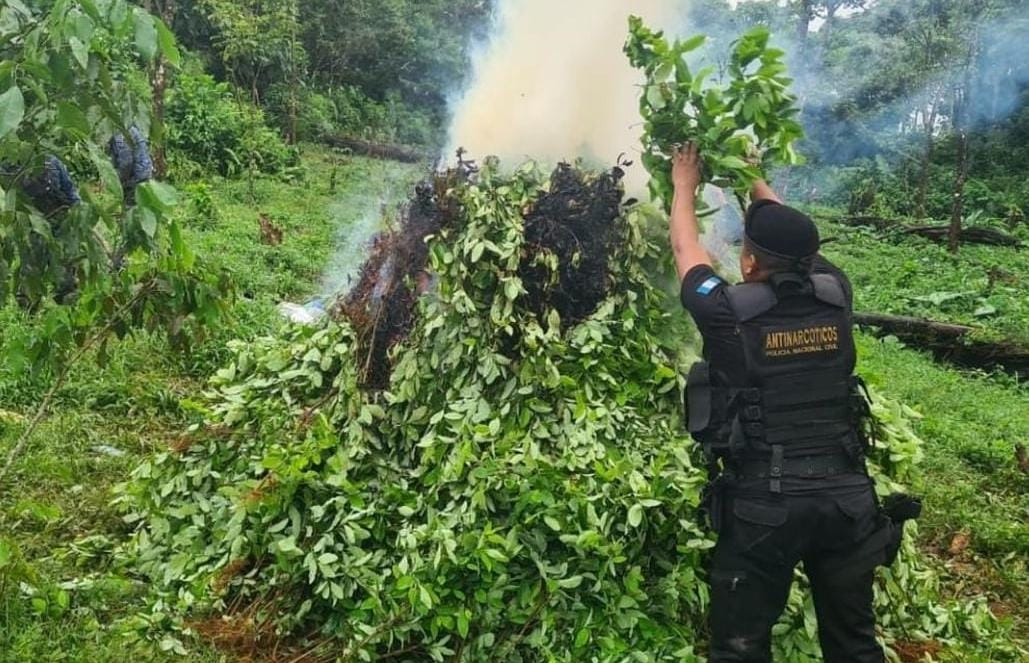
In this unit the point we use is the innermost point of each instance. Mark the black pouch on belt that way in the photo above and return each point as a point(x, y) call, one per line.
point(698, 398)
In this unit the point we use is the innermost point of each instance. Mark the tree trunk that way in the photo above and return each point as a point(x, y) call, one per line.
point(954, 343)
point(958, 209)
point(378, 150)
point(831, 10)
point(961, 124)
point(158, 87)
point(159, 83)
point(966, 235)
point(901, 324)
point(804, 24)
point(294, 102)
point(930, 145)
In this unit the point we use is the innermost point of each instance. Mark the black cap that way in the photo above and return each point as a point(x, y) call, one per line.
point(781, 231)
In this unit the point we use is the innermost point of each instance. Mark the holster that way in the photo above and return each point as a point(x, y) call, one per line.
point(706, 409)
point(862, 419)
point(712, 502)
point(897, 509)
point(697, 399)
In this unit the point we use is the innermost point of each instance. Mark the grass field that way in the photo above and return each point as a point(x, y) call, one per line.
point(59, 513)
point(60, 516)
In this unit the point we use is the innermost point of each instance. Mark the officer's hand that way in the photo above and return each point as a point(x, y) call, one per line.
point(753, 157)
point(686, 168)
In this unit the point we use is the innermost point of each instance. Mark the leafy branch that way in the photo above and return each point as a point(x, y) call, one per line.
point(109, 263)
point(749, 114)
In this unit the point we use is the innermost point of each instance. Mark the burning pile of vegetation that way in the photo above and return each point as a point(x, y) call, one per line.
point(569, 236)
point(523, 490)
point(574, 224)
point(381, 307)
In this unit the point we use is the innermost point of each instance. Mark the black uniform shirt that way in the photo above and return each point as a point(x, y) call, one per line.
point(703, 295)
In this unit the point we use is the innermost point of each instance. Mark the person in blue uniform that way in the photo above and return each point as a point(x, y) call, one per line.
point(132, 161)
point(53, 193)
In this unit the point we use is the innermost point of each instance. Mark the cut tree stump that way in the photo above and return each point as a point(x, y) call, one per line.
point(378, 150)
point(951, 342)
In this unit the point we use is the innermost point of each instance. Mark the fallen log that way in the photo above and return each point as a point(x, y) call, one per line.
point(975, 235)
point(378, 150)
point(877, 222)
point(937, 233)
point(951, 342)
point(900, 324)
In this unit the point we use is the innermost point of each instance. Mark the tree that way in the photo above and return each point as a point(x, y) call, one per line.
point(69, 75)
point(415, 51)
point(164, 11)
point(809, 10)
point(256, 41)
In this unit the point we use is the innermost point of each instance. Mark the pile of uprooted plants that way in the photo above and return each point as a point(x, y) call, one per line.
point(569, 232)
point(477, 457)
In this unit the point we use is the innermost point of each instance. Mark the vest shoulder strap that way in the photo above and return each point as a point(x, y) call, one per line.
point(829, 290)
point(749, 300)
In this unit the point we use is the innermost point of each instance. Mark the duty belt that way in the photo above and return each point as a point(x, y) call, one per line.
point(807, 467)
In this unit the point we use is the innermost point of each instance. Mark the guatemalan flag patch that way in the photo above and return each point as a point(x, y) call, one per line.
point(709, 285)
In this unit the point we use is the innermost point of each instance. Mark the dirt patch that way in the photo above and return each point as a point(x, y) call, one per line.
point(914, 652)
point(959, 543)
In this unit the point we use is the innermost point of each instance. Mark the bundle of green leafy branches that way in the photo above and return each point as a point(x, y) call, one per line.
point(743, 124)
point(522, 491)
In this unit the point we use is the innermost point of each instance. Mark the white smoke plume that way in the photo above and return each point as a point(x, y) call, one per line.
point(553, 83)
point(352, 242)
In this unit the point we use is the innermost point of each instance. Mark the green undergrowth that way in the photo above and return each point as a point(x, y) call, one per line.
point(56, 514)
point(970, 478)
point(982, 286)
point(225, 218)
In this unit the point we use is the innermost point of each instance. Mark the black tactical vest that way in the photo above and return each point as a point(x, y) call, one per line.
point(799, 397)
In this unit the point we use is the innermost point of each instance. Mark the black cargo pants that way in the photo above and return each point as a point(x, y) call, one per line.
point(836, 534)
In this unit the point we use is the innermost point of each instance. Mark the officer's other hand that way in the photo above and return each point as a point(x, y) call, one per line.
point(686, 168)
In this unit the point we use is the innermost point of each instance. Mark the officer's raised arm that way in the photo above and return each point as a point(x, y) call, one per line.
point(683, 227)
point(761, 190)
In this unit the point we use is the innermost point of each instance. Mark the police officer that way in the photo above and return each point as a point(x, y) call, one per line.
point(132, 161)
point(53, 193)
point(779, 414)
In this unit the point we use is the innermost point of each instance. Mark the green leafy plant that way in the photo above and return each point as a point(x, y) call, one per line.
point(101, 268)
point(207, 125)
point(204, 208)
point(748, 115)
point(13, 569)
